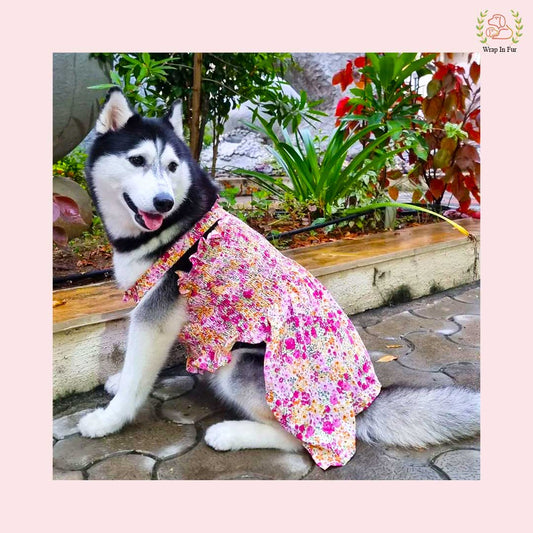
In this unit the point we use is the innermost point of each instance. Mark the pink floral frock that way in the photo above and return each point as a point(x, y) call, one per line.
point(318, 375)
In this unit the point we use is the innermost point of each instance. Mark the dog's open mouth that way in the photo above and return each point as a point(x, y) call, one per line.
point(150, 221)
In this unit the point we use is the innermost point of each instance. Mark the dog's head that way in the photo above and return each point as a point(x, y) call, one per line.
point(139, 169)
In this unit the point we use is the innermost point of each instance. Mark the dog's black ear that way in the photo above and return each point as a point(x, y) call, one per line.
point(175, 117)
point(115, 112)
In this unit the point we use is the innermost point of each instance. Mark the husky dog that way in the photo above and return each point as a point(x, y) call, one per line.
point(149, 193)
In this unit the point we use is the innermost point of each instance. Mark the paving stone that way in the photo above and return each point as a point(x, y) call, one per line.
point(161, 439)
point(148, 412)
point(405, 323)
point(469, 332)
point(371, 462)
point(191, 407)
point(426, 456)
point(202, 462)
point(460, 464)
point(378, 347)
point(465, 374)
point(172, 387)
point(130, 466)
point(469, 296)
point(447, 308)
point(70, 475)
point(433, 351)
point(68, 425)
point(393, 373)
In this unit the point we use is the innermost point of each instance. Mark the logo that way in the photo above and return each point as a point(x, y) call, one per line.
point(498, 28)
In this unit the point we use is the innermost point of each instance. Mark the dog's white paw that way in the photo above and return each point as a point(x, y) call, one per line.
point(99, 423)
point(222, 436)
point(112, 383)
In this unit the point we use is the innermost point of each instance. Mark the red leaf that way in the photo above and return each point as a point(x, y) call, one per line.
point(417, 194)
point(432, 108)
point(464, 205)
point(337, 78)
point(474, 72)
point(344, 77)
point(437, 187)
point(394, 192)
point(450, 104)
point(466, 157)
point(360, 61)
point(473, 134)
point(343, 107)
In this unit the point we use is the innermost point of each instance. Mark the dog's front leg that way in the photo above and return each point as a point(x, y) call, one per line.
point(149, 343)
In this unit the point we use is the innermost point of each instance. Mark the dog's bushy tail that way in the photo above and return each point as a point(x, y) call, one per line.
point(420, 417)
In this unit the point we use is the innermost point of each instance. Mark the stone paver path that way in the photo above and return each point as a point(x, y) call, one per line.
point(435, 341)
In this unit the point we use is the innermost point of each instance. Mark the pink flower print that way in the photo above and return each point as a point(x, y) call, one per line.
point(342, 386)
point(330, 426)
point(306, 398)
point(290, 344)
point(248, 293)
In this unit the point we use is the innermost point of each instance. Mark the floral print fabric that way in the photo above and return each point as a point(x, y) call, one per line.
point(318, 375)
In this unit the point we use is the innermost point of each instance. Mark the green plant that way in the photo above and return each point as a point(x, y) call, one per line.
point(322, 178)
point(285, 110)
point(261, 203)
point(385, 95)
point(72, 166)
point(209, 84)
point(139, 76)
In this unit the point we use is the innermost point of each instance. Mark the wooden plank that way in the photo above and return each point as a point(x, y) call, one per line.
point(344, 254)
point(100, 301)
point(103, 301)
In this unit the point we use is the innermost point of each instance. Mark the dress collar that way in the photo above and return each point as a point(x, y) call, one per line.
point(173, 254)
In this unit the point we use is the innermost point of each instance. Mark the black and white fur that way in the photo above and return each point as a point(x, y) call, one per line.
point(139, 170)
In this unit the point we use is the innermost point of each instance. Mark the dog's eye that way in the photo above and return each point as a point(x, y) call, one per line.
point(137, 160)
point(172, 166)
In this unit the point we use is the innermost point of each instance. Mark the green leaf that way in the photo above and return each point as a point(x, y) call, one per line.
point(387, 65)
point(115, 78)
point(102, 86)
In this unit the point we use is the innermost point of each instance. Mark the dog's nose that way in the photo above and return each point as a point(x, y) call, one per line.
point(163, 202)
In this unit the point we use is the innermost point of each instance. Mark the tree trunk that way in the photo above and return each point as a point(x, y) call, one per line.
point(196, 142)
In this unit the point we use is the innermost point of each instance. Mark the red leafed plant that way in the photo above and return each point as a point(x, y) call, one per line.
point(452, 111)
point(66, 210)
point(442, 128)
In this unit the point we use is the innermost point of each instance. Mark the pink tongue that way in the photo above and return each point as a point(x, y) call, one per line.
point(152, 220)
